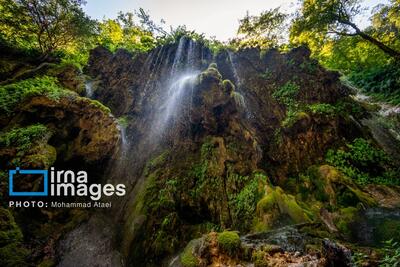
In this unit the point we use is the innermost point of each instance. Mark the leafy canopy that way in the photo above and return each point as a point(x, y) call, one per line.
point(46, 25)
point(266, 30)
point(326, 19)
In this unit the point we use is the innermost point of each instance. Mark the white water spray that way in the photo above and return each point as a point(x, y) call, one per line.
point(181, 82)
point(89, 88)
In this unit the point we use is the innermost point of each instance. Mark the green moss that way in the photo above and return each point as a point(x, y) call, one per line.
point(99, 105)
point(13, 94)
point(13, 255)
point(11, 251)
point(275, 204)
point(213, 65)
point(9, 231)
point(229, 242)
point(322, 109)
point(239, 99)
point(211, 71)
point(159, 160)
point(123, 121)
point(345, 218)
point(187, 257)
point(228, 85)
point(43, 155)
point(243, 204)
point(24, 137)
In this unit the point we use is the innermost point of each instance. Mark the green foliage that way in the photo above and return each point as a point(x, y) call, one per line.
point(358, 259)
point(364, 163)
point(124, 33)
point(366, 56)
point(382, 82)
point(13, 94)
point(322, 109)
point(265, 31)
point(229, 242)
point(46, 25)
point(286, 94)
point(24, 138)
point(320, 19)
point(243, 204)
point(392, 254)
point(292, 116)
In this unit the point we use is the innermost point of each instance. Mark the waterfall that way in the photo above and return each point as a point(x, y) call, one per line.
point(238, 95)
point(180, 84)
point(124, 140)
point(89, 88)
point(234, 70)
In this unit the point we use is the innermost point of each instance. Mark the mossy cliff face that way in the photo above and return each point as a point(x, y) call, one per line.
point(247, 150)
point(212, 148)
point(206, 180)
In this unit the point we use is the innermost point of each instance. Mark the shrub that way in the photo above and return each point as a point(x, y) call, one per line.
point(364, 163)
point(286, 93)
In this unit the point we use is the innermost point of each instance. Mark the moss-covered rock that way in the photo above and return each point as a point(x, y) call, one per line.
point(229, 242)
point(277, 207)
point(188, 257)
point(12, 253)
point(344, 219)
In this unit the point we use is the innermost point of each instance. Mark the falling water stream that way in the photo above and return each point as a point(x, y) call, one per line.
point(180, 85)
point(238, 94)
point(89, 88)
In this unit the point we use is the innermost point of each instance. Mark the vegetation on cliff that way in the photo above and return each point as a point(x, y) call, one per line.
point(264, 155)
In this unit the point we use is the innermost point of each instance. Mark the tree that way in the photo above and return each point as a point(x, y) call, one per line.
point(335, 17)
point(124, 33)
point(267, 29)
point(50, 24)
point(148, 24)
point(386, 23)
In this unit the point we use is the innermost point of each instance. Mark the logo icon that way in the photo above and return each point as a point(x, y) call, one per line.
point(13, 173)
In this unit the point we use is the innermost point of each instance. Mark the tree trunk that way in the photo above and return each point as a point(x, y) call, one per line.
point(391, 52)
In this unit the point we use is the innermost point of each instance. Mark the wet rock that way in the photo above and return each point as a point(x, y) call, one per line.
point(90, 244)
point(336, 254)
